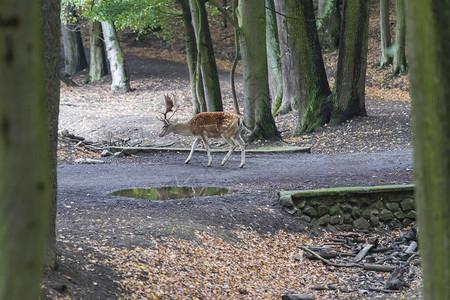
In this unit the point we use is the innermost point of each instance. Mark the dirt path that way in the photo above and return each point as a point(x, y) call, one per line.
point(257, 185)
point(91, 222)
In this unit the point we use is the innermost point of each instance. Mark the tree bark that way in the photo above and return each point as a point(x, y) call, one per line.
point(25, 180)
point(50, 20)
point(97, 65)
point(191, 57)
point(224, 18)
point(385, 33)
point(328, 24)
point(399, 64)
point(119, 73)
point(209, 74)
point(288, 64)
point(273, 57)
point(349, 90)
point(307, 73)
point(258, 115)
point(310, 75)
point(429, 40)
point(74, 56)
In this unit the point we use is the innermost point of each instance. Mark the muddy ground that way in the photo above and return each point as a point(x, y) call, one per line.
point(89, 218)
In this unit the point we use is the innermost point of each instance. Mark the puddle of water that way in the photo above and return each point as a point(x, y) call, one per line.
point(170, 192)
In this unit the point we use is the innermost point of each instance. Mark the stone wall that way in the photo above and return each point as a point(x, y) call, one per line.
point(359, 207)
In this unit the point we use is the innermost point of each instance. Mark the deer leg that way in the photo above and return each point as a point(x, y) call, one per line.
point(194, 145)
point(241, 144)
point(233, 147)
point(205, 142)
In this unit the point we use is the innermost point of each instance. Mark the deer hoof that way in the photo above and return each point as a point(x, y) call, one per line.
point(186, 162)
point(241, 166)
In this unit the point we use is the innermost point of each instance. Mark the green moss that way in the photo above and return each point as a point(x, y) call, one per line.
point(342, 191)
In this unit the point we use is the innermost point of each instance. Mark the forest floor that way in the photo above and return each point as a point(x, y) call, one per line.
point(116, 248)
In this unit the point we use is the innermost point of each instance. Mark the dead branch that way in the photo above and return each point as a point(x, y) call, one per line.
point(363, 252)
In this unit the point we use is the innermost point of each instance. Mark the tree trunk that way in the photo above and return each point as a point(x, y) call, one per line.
point(50, 20)
point(328, 24)
point(399, 64)
point(258, 115)
point(273, 57)
point(97, 65)
point(119, 73)
point(429, 37)
point(74, 56)
point(25, 179)
point(385, 33)
point(209, 74)
point(224, 18)
point(312, 79)
point(288, 64)
point(349, 89)
point(191, 56)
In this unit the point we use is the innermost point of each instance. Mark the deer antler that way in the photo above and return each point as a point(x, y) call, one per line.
point(170, 104)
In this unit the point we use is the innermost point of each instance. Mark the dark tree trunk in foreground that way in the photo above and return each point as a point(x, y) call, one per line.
point(399, 63)
point(191, 57)
point(209, 74)
point(328, 24)
point(25, 179)
point(50, 18)
point(273, 57)
point(258, 115)
point(97, 65)
point(429, 37)
point(119, 73)
point(385, 33)
point(74, 56)
point(312, 79)
point(349, 90)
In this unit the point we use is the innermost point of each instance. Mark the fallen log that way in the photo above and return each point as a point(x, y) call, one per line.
point(378, 267)
point(64, 77)
point(363, 252)
point(324, 252)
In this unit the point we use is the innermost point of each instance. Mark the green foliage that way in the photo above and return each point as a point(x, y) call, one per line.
point(141, 16)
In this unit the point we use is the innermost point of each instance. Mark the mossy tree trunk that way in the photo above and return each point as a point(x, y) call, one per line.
point(119, 72)
point(97, 62)
point(209, 74)
point(273, 57)
point(429, 40)
point(349, 90)
point(50, 22)
point(289, 64)
point(328, 24)
point(74, 56)
point(258, 115)
point(311, 77)
point(385, 32)
point(399, 63)
point(25, 179)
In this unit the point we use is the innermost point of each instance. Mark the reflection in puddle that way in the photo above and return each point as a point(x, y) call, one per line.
point(171, 192)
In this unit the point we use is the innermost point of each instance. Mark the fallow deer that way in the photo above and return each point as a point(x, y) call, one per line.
point(226, 125)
